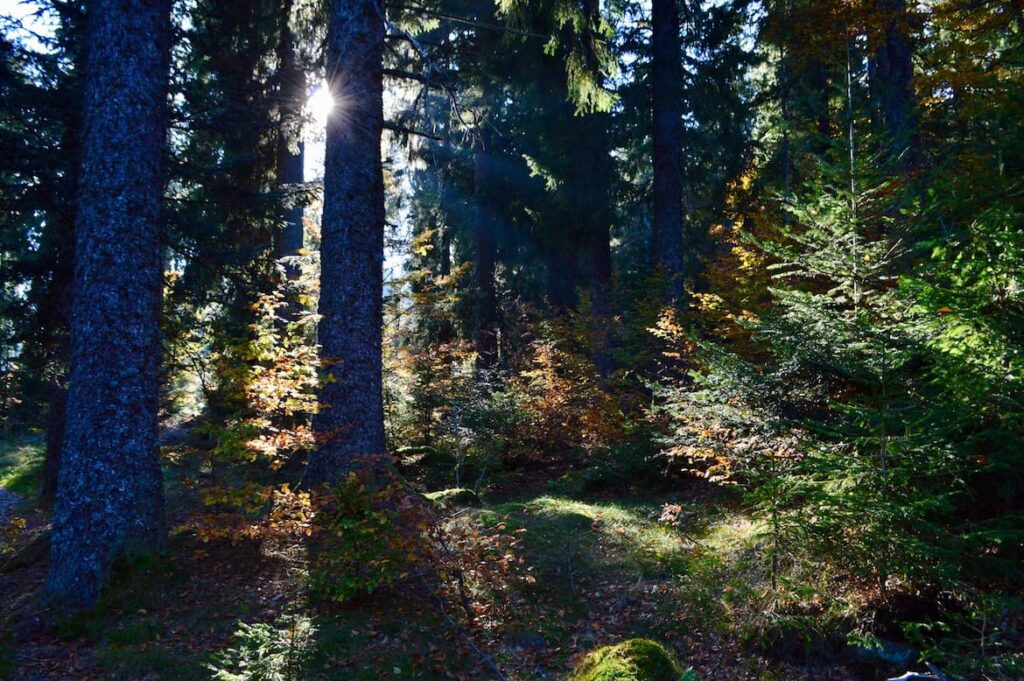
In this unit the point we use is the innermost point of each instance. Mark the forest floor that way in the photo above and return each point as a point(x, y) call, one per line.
point(600, 568)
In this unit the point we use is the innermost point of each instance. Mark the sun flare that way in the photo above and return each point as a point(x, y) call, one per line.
point(320, 104)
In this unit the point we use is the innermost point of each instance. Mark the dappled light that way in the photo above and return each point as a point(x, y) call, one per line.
point(667, 340)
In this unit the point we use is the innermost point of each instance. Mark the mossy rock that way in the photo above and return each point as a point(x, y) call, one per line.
point(634, 660)
point(457, 496)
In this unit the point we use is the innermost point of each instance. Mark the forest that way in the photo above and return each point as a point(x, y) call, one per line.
point(634, 340)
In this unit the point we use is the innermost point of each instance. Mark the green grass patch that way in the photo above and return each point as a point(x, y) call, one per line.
point(622, 537)
point(21, 464)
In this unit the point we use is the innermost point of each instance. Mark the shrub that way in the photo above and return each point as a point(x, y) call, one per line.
point(364, 538)
point(266, 652)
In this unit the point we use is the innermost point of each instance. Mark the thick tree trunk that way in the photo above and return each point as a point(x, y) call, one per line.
point(110, 491)
point(290, 147)
point(484, 255)
point(350, 424)
point(666, 81)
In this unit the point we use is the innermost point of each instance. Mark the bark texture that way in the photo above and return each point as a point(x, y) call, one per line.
point(110, 492)
point(666, 82)
point(350, 423)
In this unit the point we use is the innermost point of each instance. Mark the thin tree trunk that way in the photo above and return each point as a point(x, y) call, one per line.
point(666, 81)
point(290, 147)
point(601, 300)
point(484, 255)
point(61, 287)
point(446, 328)
point(56, 420)
point(59, 302)
point(110, 490)
point(350, 424)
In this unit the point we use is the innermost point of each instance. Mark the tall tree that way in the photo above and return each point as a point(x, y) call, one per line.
point(892, 75)
point(484, 252)
point(54, 300)
point(110, 490)
point(291, 150)
point(667, 86)
point(350, 422)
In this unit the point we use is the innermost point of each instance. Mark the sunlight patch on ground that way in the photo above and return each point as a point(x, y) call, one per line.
point(21, 465)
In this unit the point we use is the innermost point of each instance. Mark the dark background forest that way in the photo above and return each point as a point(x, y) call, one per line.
point(526, 339)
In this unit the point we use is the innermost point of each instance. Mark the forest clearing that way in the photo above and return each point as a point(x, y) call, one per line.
point(657, 340)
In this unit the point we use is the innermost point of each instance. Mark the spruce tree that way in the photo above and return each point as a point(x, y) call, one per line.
point(350, 421)
point(110, 489)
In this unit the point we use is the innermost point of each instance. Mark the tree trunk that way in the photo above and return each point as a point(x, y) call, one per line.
point(591, 183)
point(484, 255)
point(110, 490)
point(446, 327)
point(290, 147)
point(893, 74)
point(350, 424)
point(56, 312)
point(55, 427)
point(57, 317)
point(819, 103)
point(601, 300)
point(561, 277)
point(666, 82)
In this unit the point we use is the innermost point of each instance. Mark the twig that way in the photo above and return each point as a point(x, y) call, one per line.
point(471, 22)
point(488, 660)
point(395, 127)
point(424, 56)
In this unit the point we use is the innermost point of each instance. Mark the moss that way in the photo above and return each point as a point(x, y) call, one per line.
point(457, 496)
point(634, 660)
